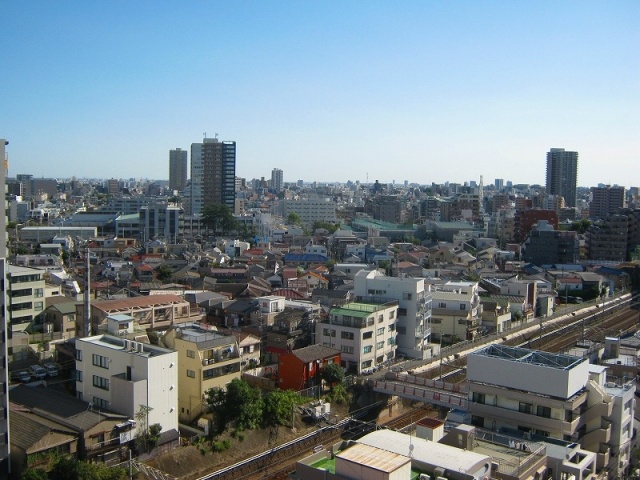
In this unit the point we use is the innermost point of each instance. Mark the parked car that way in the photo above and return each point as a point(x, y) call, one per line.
point(23, 376)
point(51, 368)
point(38, 372)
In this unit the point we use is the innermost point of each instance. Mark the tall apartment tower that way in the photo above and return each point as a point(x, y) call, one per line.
point(562, 175)
point(177, 169)
point(605, 201)
point(213, 174)
point(6, 330)
point(276, 179)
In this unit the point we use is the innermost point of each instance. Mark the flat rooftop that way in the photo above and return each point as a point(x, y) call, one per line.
point(534, 357)
point(128, 346)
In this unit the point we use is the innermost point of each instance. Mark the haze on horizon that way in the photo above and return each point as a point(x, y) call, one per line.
point(326, 91)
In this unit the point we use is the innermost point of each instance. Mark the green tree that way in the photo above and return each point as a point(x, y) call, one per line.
point(66, 468)
point(293, 219)
point(33, 474)
point(330, 227)
point(163, 272)
point(240, 405)
point(278, 405)
point(219, 218)
point(581, 226)
point(332, 374)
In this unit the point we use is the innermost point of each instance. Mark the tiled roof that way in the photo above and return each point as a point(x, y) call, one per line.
point(133, 302)
point(26, 430)
point(315, 352)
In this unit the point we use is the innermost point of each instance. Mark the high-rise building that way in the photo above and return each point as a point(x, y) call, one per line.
point(605, 201)
point(4, 374)
point(276, 179)
point(177, 169)
point(562, 175)
point(213, 174)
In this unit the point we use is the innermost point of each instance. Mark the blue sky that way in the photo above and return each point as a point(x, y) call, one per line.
point(423, 91)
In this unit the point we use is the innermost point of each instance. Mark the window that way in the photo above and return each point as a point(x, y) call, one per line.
point(525, 407)
point(366, 364)
point(380, 345)
point(402, 312)
point(191, 374)
point(38, 292)
point(191, 354)
point(100, 361)
point(38, 306)
point(79, 355)
point(392, 314)
point(101, 382)
point(346, 349)
point(436, 321)
point(380, 318)
point(402, 330)
point(478, 397)
point(463, 306)
point(346, 335)
point(367, 335)
point(367, 349)
point(442, 305)
point(380, 331)
point(328, 333)
point(542, 411)
point(406, 296)
point(391, 341)
point(100, 403)
point(477, 421)
point(78, 375)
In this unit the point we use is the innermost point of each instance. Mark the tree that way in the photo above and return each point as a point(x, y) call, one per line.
point(278, 405)
point(163, 272)
point(143, 437)
point(65, 468)
point(293, 219)
point(240, 405)
point(33, 474)
point(581, 226)
point(332, 374)
point(219, 218)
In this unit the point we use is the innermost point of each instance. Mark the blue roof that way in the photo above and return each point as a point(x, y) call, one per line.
point(305, 257)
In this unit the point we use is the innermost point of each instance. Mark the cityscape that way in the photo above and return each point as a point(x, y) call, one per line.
point(154, 320)
point(320, 241)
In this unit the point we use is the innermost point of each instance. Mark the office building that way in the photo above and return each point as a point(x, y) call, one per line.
point(213, 174)
point(605, 201)
point(276, 180)
point(562, 175)
point(177, 169)
point(4, 327)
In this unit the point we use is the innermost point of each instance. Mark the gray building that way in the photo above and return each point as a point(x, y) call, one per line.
point(605, 201)
point(213, 174)
point(562, 175)
point(177, 169)
point(546, 246)
point(277, 179)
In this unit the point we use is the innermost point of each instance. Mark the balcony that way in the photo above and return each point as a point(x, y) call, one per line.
point(597, 436)
point(513, 417)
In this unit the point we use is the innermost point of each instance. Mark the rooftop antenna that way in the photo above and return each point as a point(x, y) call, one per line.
point(216, 135)
point(204, 134)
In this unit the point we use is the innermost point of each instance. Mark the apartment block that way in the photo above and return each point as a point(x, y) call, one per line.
point(207, 359)
point(364, 333)
point(457, 312)
point(413, 327)
point(122, 375)
point(552, 396)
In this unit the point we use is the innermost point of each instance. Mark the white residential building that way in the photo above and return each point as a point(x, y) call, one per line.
point(414, 308)
point(553, 395)
point(121, 375)
point(456, 311)
point(364, 333)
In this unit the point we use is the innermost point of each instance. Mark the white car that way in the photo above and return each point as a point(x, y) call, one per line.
point(38, 372)
point(52, 370)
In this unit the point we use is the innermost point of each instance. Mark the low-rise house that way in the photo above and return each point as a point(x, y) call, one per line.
point(152, 311)
point(98, 432)
point(301, 368)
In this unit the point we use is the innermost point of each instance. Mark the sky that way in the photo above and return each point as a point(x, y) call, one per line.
point(331, 91)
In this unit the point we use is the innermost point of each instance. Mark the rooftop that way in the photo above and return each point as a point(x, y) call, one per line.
point(535, 357)
point(124, 345)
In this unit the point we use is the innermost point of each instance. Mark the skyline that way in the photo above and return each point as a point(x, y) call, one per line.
point(425, 92)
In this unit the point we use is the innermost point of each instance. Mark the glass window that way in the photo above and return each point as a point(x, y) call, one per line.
point(367, 349)
point(101, 382)
point(100, 361)
point(191, 354)
point(191, 374)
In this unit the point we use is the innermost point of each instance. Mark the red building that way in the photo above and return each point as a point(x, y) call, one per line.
point(300, 369)
point(526, 219)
